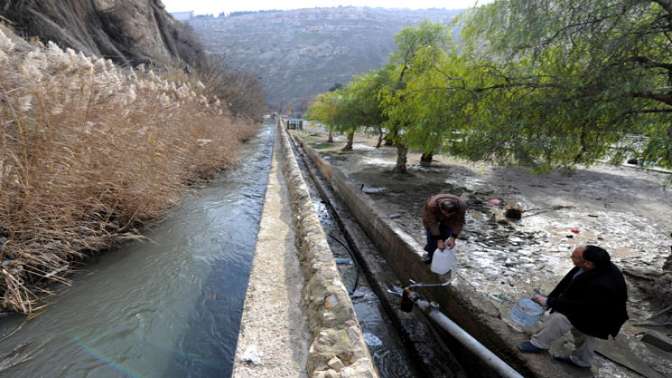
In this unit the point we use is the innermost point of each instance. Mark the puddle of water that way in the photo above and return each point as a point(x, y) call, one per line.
point(166, 308)
point(377, 161)
point(361, 146)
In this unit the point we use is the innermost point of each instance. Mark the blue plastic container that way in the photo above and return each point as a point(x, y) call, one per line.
point(526, 313)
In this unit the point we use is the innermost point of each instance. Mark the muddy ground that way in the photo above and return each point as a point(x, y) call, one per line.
point(626, 210)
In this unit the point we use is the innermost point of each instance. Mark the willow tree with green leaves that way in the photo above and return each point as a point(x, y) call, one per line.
point(366, 109)
point(569, 80)
point(324, 109)
point(410, 41)
point(438, 101)
point(347, 116)
point(336, 110)
point(350, 107)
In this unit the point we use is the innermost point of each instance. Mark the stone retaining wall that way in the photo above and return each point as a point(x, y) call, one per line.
point(337, 348)
point(462, 303)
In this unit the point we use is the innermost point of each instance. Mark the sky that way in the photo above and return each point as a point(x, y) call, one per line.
point(217, 6)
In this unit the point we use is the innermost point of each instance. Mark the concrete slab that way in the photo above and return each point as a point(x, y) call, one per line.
point(658, 340)
point(618, 350)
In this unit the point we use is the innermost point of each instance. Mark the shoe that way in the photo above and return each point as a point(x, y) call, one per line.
point(568, 360)
point(528, 347)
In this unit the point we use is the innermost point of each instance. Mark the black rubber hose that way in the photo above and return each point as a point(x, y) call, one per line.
point(354, 262)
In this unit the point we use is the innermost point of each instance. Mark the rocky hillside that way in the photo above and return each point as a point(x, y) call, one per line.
point(298, 54)
point(129, 32)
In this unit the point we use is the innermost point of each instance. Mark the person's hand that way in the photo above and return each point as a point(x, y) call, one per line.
point(440, 245)
point(539, 299)
point(450, 243)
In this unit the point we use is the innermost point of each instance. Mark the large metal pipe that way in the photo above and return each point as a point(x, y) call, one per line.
point(483, 353)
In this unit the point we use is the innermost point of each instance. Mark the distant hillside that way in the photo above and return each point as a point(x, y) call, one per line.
point(298, 54)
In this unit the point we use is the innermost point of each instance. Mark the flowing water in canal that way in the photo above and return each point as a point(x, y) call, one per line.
point(166, 308)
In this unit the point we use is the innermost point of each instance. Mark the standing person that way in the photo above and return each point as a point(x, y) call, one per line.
point(590, 301)
point(443, 218)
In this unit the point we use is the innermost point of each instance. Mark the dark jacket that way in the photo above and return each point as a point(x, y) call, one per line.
point(432, 216)
point(594, 302)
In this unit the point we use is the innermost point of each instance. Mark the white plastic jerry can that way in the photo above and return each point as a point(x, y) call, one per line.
point(443, 261)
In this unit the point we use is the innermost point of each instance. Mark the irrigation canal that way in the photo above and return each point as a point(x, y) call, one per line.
point(171, 306)
point(387, 349)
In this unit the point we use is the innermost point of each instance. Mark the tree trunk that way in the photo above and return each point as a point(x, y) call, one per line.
point(426, 159)
point(390, 137)
point(351, 137)
point(331, 137)
point(381, 136)
point(402, 151)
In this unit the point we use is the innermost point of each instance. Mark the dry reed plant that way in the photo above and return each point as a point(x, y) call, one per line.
point(88, 151)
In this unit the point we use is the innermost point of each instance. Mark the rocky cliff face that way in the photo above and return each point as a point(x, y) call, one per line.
point(130, 32)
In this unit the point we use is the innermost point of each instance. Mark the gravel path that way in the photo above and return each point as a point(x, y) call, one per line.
point(273, 330)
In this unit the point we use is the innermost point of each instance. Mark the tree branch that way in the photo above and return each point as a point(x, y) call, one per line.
point(652, 111)
point(664, 98)
point(518, 85)
point(647, 62)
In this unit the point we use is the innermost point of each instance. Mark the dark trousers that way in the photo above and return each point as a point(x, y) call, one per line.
point(444, 231)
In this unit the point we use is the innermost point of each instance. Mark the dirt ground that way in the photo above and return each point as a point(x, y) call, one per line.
point(626, 210)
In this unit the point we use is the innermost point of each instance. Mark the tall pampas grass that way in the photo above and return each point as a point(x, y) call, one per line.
point(89, 151)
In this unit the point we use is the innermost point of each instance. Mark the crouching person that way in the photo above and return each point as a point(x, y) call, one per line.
point(443, 218)
point(590, 301)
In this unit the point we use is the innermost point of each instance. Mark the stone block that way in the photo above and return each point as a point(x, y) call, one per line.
point(336, 364)
point(358, 370)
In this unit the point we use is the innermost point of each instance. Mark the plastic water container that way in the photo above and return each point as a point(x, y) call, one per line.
point(443, 261)
point(526, 313)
